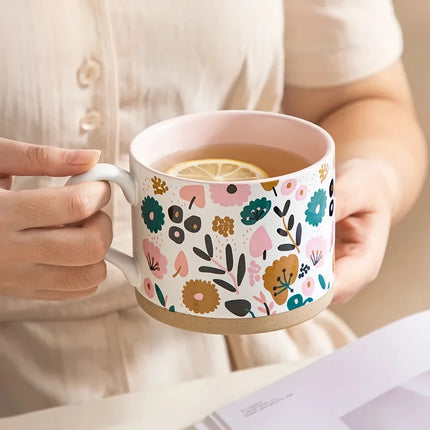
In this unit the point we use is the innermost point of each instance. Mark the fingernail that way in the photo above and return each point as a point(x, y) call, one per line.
point(83, 157)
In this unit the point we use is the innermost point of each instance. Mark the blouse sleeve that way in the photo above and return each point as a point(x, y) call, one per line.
point(333, 42)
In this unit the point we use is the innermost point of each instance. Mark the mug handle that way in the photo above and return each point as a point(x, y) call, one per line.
point(123, 178)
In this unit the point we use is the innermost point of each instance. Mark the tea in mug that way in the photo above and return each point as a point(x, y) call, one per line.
point(261, 160)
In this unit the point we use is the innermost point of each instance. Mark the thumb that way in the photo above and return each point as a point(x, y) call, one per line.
point(24, 159)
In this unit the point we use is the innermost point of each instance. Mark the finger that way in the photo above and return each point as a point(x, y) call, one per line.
point(349, 279)
point(70, 280)
point(55, 206)
point(63, 295)
point(18, 158)
point(67, 246)
point(6, 182)
point(61, 279)
point(357, 265)
point(350, 197)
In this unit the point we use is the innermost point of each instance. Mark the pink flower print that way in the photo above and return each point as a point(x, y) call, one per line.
point(316, 250)
point(288, 187)
point(253, 271)
point(260, 243)
point(308, 286)
point(301, 192)
point(230, 194)
point(267, 309)
point(149, 288)
point(195, 194)
point(157, 262)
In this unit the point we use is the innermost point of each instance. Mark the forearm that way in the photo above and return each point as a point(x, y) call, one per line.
point(387, 134)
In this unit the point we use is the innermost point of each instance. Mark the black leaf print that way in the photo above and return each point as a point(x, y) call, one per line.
point(225, 284)
point(241, 268)
point(201, 254)
point(214, 270)
point(229, 257)
point(291, 222)
point(299, 234)
point(286, 247)
point(286, 207)
point(239, 307)
point(278, 211)
point(282, 232)
point(209, 246)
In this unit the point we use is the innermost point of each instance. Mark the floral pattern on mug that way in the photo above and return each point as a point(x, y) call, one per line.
point(323, 172)
point(260, 243)
point(316, 250)
point(316, 208)
point(157, 262)
point(149, 287)
point(181, 265)
point(152, 214)
point(194, 194)
point(159, 186)
point(276, 239)
point(279, 277)
point(254, 273)
point(230, 194)
point(270, 186)
point(192, 224)
point(200, 297)
point(256, 210)
point(268, 305)
point(288, 186)
point(223, 226)
point(302, 192)
point(297, 301)
point(308, 286)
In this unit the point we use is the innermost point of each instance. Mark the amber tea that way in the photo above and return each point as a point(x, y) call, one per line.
point(274, 161)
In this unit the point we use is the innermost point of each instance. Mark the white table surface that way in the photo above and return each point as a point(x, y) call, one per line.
point(165, 409)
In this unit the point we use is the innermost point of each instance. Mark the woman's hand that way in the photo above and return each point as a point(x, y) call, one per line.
point(52, 240)
point(363, 220)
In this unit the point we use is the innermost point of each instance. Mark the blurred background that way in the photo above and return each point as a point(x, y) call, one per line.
point(403, 286)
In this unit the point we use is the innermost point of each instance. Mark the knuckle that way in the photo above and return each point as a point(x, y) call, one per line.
point(100, 272)
point(39, 154)
point(107, 229)
point(79, 204)
point(80, 279)
point(97, 246)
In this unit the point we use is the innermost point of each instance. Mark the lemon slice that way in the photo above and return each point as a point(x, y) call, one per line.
point(217, 169)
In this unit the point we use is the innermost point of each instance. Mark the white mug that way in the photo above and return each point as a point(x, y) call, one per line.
point(228, 257)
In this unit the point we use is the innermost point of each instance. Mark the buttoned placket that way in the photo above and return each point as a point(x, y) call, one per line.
point(98, 74)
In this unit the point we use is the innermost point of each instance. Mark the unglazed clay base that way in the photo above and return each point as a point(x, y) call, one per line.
point(236, 325)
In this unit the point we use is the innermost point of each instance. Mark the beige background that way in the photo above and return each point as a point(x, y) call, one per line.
point(403, 286)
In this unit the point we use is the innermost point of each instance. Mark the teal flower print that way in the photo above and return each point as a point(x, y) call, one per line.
point(152, 214)
point(256, 210)
point(316, 208)
point(297, 301)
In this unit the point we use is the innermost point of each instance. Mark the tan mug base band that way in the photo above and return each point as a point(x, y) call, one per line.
point(235, 325)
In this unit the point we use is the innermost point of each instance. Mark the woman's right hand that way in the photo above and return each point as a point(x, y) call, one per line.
point(52, 240)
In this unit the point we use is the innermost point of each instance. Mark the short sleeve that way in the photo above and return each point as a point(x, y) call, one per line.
point(333, 42)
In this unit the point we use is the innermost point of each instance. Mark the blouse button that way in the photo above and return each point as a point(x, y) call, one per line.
point(91, 120)
point(89, 72)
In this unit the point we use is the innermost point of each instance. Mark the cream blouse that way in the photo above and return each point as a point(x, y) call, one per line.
point(93, 73)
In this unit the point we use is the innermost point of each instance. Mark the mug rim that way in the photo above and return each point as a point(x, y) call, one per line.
point(329, 152)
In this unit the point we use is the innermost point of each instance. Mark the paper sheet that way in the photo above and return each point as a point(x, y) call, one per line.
point(381, 382)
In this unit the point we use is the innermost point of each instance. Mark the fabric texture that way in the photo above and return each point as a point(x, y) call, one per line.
point(92, 74)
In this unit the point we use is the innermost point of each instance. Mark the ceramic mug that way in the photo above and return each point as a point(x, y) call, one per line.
point(228, 257)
